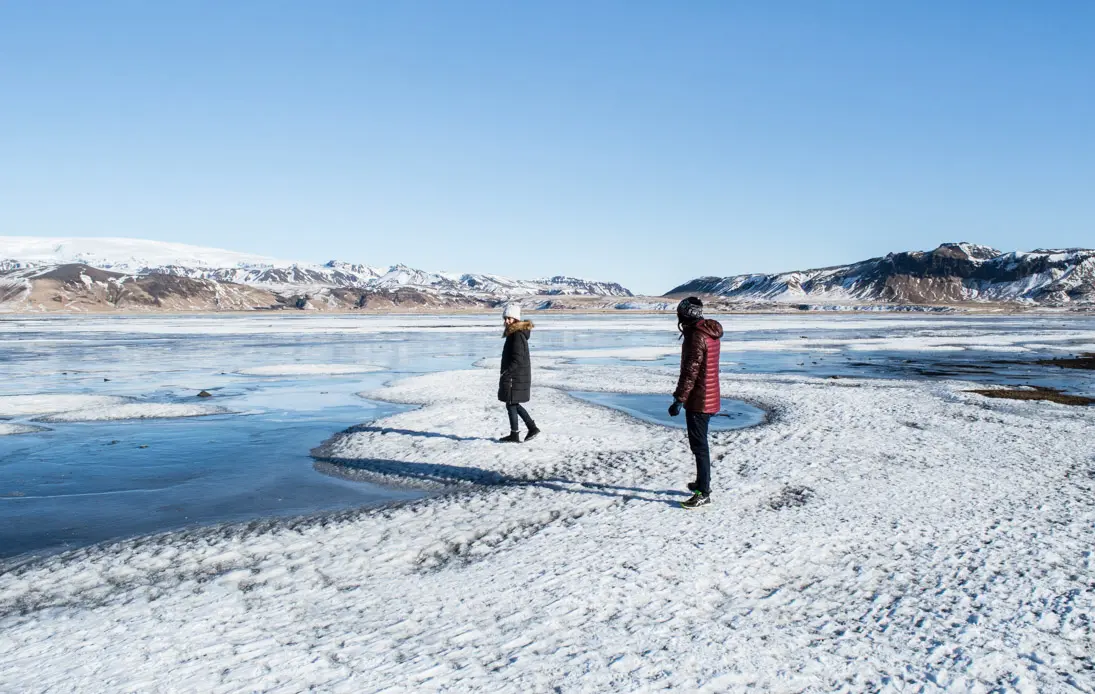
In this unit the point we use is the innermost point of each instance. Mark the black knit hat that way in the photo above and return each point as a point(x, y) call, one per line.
point(690, 310)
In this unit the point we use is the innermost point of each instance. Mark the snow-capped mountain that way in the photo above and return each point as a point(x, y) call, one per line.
point(100, 272)
point(952, 273)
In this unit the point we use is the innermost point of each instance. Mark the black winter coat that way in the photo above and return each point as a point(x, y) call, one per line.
point(515, 384)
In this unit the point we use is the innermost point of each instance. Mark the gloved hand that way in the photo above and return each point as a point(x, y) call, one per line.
point(675, 408)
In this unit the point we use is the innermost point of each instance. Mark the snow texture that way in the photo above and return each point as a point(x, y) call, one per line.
point(27, 405)
point(873, 536)
point(9, 429)
point(135, 410)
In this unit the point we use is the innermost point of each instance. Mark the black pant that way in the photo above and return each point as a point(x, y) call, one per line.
point(515, 410)
point(697, 441)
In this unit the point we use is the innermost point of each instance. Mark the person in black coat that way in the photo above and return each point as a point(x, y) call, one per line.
point(515, 383)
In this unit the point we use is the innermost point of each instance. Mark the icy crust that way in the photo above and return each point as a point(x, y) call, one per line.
point(27, 405)
point(9, 429)
point(874, 536)
point(309, 370)
point(95, 408)
point(136, 410)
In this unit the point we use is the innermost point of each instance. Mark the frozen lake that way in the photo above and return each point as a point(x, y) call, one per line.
point(282, 385)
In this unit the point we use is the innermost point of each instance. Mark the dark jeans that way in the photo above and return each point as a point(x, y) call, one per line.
point(697, 441)
point(515, 411)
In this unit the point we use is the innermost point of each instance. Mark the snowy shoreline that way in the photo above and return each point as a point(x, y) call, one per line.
point(875, 534)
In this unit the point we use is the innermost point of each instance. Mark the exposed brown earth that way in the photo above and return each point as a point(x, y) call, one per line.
point(66, 290)
point(1037, 393)
point(1084, 361)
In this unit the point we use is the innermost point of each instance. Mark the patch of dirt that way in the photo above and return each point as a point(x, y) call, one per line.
point(791, 497)
point(1085, 361)
point(1036, 393)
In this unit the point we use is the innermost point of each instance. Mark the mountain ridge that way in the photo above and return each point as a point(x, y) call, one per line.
point(952, 273)
point(44, 272)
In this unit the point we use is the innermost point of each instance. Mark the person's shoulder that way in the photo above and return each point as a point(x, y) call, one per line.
point(522, 328)
point(711, 328)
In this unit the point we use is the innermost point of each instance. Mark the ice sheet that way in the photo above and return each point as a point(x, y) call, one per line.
point(309, 370)
point(630, 353)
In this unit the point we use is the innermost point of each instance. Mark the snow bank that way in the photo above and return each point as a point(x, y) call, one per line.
point(135, 410)
point(95, 408)
point(873, 535)
point(309, 370)
point(9, 429)
point(25, 405)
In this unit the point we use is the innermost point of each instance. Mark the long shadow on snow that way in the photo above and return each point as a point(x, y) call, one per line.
point(383, 471)
point(408, 432)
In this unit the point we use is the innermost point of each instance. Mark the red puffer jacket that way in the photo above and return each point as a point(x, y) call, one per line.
point(698, 387)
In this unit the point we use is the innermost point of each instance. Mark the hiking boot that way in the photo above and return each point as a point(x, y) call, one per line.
point(698, 499)
point(514, 437)
point(532, 433)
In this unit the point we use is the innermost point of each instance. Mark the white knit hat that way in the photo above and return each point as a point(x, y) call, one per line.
point(512, 311)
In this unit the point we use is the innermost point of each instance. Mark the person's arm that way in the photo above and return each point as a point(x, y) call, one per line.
point(691, 363)
point(507, 355)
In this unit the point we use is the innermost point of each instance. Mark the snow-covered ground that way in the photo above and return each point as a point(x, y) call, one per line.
point(95, 408)
point(892, 535)
point(136, 410)
point(38, 404)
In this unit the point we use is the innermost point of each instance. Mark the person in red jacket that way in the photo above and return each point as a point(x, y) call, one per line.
point(698, 390)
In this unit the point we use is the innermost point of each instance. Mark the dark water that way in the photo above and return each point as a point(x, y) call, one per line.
point(82, 483)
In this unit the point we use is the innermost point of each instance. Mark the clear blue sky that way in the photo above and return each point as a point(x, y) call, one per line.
point(643, 142)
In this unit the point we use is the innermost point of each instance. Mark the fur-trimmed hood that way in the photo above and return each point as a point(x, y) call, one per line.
point(519, 326)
